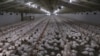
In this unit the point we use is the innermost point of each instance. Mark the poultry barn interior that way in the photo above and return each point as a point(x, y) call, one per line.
point(49, 27)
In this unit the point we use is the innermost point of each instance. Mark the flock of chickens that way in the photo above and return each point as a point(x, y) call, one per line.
point(50, 36)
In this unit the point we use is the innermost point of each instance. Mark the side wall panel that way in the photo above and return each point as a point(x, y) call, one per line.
point(89, 17)
point(7, 19)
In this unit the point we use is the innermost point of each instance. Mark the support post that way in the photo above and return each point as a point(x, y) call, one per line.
point(22, 17)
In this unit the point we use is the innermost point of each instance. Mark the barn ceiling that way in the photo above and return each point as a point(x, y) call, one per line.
point(49, 5)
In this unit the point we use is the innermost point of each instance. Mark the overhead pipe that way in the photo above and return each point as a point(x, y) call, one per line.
point(10, 7)
point(6, 2)
point(75, 7)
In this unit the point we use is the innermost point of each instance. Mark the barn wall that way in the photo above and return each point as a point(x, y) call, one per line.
point(89, 17)
point(9, 18)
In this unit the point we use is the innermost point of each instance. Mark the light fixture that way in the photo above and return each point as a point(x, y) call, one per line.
point(62, 7)
point(31, 5)
point(47, 12)
point(56, 11)
point(34, 6)
point(10, 0)
point(72, 1)
point(28, 3)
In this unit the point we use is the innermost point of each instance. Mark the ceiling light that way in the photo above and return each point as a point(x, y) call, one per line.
point(56, 11)
point(31, 5)
point(28, 3)
point(34, 6)
point(72, 1)
point(45, 11)
point(10, 0)
point(62, 7)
